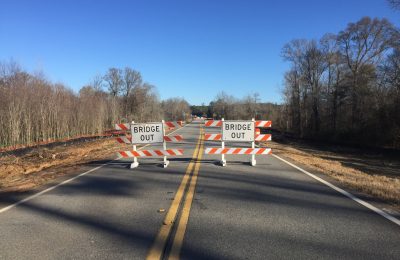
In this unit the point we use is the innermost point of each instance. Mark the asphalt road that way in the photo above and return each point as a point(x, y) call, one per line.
point(270, 211)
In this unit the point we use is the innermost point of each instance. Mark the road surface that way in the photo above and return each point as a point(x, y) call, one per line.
point(194, 209)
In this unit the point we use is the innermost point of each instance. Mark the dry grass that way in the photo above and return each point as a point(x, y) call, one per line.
point(374, 174)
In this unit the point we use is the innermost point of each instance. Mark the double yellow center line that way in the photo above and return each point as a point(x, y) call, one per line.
point(158, 249)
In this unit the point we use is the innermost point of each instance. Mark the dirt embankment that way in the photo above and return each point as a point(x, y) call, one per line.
point(373, 172)
point(24, 171)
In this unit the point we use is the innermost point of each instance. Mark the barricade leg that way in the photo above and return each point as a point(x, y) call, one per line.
point(253, 157)
point(223, 161)
point(165, 162)
point(135, 160)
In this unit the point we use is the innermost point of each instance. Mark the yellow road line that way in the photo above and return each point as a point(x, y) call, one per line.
point(157, 249)
point(181, 229)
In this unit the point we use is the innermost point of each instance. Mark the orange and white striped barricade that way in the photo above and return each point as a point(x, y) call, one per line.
point(212, 137)
point(218, 137)
point(213, 123)
point(174, 124)
point(262, 124)
point(250, 151)
point(263, 137)
point(150, 153)
point(147, 133)
point(171, 124)
point(125, 127)
point(124, 139)
point(215, 137)
point(174, 138)
point(238, 131)
point(128, 139)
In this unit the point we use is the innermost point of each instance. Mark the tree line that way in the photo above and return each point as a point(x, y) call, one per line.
point(33, 109)
point(231, 108)
point(345, 86)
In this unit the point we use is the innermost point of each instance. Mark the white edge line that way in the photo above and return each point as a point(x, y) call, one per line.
point(343, 192)
point(2, 210)
point(48, 189)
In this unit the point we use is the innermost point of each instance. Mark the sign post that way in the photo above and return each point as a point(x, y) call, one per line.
point(135, 160)
point(253, 145)
point(166, 162)
point(223, 161)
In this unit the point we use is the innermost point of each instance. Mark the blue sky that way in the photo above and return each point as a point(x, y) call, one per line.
point(191, 49)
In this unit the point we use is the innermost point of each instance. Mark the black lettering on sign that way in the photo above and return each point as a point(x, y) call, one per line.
point(236, 135)
point(147, 138)
point(238, 127)
point(146, 129)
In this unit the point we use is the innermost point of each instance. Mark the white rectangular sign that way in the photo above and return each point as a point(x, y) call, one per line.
point(239, 131)
point(147, 133)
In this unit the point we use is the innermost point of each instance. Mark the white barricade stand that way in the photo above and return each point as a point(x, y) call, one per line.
point(148, 133)
point(135, 160)
point(238, 131)
point(166, 162)
point(223, 161)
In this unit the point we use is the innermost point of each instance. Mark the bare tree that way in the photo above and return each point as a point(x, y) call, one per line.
point(251, 106)
point(365, 42)
point(293, 98)
point(334, 76)
point(345, 84)
point(313, 67)
point(115, 81)
point(132, 79)
point(298, 91)
point(97, 82)
point(395, 4)
point(32, 109)
point(176, 109)
point(225, 106)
